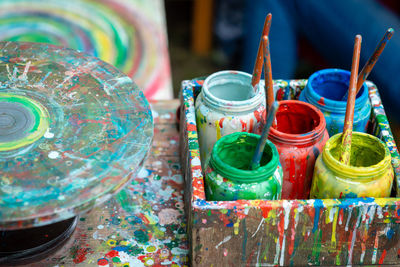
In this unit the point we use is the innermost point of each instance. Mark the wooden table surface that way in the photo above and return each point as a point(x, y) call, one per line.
point(144, 224)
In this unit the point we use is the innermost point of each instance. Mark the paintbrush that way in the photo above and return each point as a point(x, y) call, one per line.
point(348, 119)
point(259, 60)
point(371, 61)
point(269, 85)
point(255, 162)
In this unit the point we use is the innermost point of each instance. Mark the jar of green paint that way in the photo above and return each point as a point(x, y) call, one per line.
point(228, 176)
point(369, 174)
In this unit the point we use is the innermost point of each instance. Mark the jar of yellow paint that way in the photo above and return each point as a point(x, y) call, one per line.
point(227, 103)
point(369, 174)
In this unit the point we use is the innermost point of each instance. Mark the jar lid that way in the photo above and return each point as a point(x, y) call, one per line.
point(232, 154)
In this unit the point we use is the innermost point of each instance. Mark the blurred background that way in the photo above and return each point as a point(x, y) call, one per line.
point(159, 43)
point(210, 35)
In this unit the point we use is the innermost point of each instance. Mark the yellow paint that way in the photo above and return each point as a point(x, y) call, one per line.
point(335, 218)
point(105, 46)
point(369, 173)
point(218, 129)
point(236, 227)
point(112, 242)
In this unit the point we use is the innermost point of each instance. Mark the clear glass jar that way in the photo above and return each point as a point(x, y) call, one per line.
point(228, 177)
point(226, 104)
point(370, 173)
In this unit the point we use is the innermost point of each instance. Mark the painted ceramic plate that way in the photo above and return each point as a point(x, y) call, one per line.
point(73, 131)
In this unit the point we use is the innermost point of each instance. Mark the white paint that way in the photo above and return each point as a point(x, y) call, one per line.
point(277, 249)
point(226, 239)
point(100, 226)
point(353, 239)
point(332, 213)
point(348, 219)
point(282, 260)
point(258, 228)
point(48, 134)
point(53, 154)
point(179, 251)
point(286, 207)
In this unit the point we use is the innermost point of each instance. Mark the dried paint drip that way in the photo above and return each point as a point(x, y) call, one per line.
point(130, 35)
point(73, 130)
point(299, 136)
point(369, 173)
point(325, 89)
point(228, 172)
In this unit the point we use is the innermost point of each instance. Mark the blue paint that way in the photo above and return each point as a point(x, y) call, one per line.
point(347, 202)
point(325, 89)
point(318, 205)
point(390, 233)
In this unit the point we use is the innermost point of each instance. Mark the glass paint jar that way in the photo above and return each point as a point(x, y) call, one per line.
point(226, 104)
point(325, 90)
point(227, 175)
point(299, 135)
point(370, 173)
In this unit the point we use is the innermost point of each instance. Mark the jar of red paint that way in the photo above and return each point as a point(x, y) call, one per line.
point(299, 134)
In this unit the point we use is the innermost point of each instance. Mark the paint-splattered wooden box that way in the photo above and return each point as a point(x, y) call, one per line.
point(287, 232)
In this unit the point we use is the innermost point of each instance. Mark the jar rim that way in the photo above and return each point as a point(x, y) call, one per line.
point(240, 175)
point(354, 172)
point(329, 104)
point(304, 138)
point(232, 105)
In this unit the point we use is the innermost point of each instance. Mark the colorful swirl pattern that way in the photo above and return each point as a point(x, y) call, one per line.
point(129, 34)
point(73, 130)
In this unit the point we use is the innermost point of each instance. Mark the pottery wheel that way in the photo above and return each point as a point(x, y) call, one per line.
point(73, 131)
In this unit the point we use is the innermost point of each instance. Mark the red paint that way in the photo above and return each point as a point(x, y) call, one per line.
point(382, 258)
point(102, 262)
point(251, 123)
point(244, 126)
point(221, 123)
point(321, 101)
point(257, 115)
point(80, 255)
point(112, 254)
point(299, 136)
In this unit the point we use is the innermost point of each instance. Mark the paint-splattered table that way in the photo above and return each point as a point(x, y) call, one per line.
point(144, 224)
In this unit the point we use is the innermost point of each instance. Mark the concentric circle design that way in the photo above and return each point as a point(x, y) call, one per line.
point(73, 131)
point(129, 34)
point(22, 121)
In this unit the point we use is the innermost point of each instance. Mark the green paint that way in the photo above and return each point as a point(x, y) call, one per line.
point(228, 176)
point(232, 156)
point(116, 259)
point(39, 114)
point(141, 236)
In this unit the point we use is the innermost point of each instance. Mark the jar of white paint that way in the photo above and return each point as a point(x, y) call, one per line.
point(227, 103)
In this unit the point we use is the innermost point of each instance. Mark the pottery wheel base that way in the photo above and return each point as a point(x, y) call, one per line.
point(27, 245)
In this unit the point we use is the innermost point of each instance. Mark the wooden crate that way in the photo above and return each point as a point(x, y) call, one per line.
point(287, 232)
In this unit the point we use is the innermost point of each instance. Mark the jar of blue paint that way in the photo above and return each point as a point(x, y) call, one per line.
point(325, 89)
